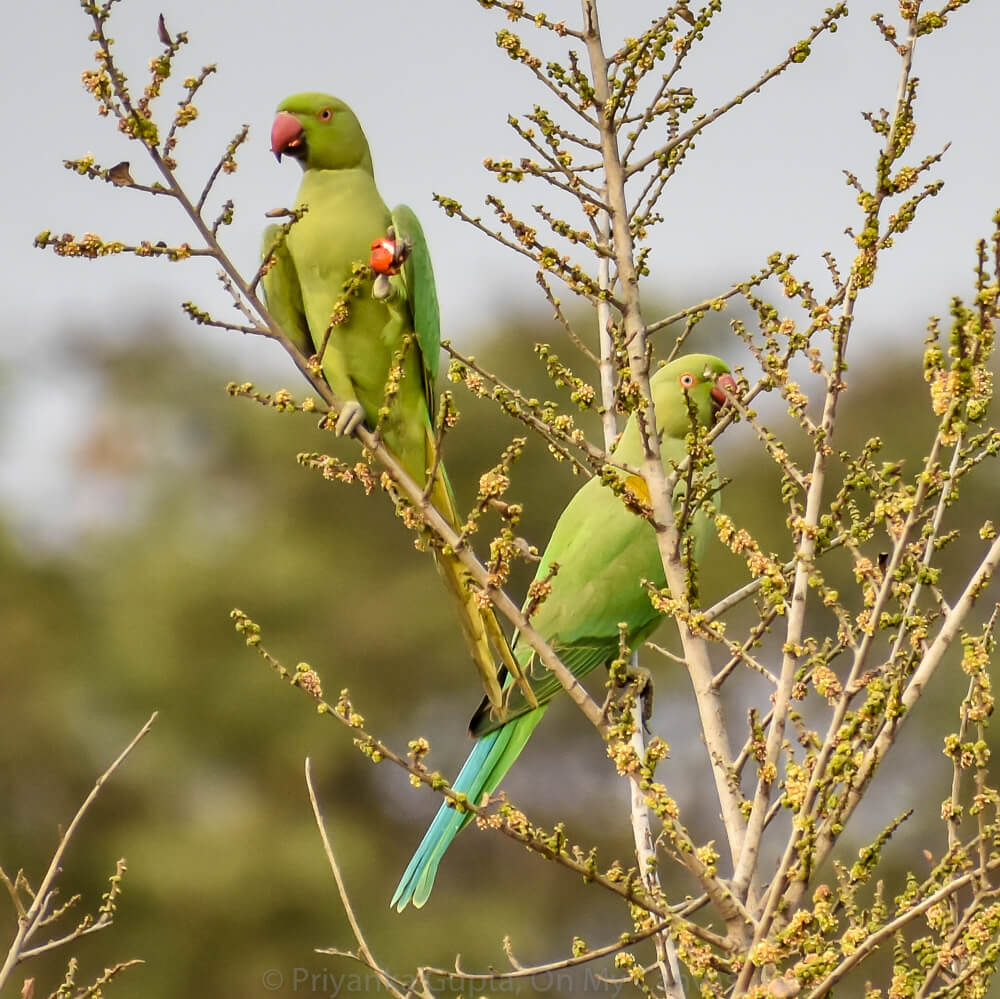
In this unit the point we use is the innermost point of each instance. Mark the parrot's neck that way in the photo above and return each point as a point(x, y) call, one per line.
point(364, 164)
point(357, 185)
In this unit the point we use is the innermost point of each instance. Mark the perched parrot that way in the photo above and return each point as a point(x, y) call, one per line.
point(391, 320)
point(603, 551)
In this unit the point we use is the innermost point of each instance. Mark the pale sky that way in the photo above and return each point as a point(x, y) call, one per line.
point(433, 93)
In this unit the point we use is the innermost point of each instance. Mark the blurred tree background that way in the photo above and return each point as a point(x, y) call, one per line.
point(177, 503)
point(204, 508)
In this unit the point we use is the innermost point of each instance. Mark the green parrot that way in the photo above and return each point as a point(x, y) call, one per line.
point(389, 322)
point(603, 551)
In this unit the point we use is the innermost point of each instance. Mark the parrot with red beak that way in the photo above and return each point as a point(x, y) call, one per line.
point(378, 336)
point(598, 599)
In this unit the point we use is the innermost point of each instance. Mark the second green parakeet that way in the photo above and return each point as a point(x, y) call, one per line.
point(604, 551)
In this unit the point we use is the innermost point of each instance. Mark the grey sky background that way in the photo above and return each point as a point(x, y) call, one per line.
point(433, 92)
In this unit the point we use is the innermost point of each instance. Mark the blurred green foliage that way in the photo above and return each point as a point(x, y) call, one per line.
point(208, 510)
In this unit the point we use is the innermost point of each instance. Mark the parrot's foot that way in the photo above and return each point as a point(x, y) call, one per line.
point(640, 684)
point(351, 417)
point(642, 681)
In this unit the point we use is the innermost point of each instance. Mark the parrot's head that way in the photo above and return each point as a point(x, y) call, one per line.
point(701, 380)
point(321, 132)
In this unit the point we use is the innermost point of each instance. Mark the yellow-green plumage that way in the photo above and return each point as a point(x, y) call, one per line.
point(604, 552)
point(344, 213)
point(363, 339)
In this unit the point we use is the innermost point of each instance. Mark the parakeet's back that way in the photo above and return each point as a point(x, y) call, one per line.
point(588, 544)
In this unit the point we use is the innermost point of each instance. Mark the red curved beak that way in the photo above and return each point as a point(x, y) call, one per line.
point(286, 134)
point(724, 387)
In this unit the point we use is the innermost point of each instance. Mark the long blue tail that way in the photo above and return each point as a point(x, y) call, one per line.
point(491, 758)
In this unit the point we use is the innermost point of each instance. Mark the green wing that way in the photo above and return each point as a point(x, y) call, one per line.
point(604, 552)
point(282, 291)
point(421, 292)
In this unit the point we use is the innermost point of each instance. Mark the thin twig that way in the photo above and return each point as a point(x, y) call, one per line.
point(345, 900)
point(30, 922)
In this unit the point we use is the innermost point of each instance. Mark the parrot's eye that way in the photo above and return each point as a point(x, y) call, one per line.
point(326, 114)
point(687, 380)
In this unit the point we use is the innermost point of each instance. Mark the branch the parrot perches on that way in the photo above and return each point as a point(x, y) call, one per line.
point(606, 555)
point(370, 333)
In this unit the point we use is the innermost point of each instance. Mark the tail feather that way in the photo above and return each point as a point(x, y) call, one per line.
point(471, 617)
point(482, 631)
point(488, 763)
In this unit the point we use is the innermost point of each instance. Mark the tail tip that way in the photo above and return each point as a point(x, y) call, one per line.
point(414, 890)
